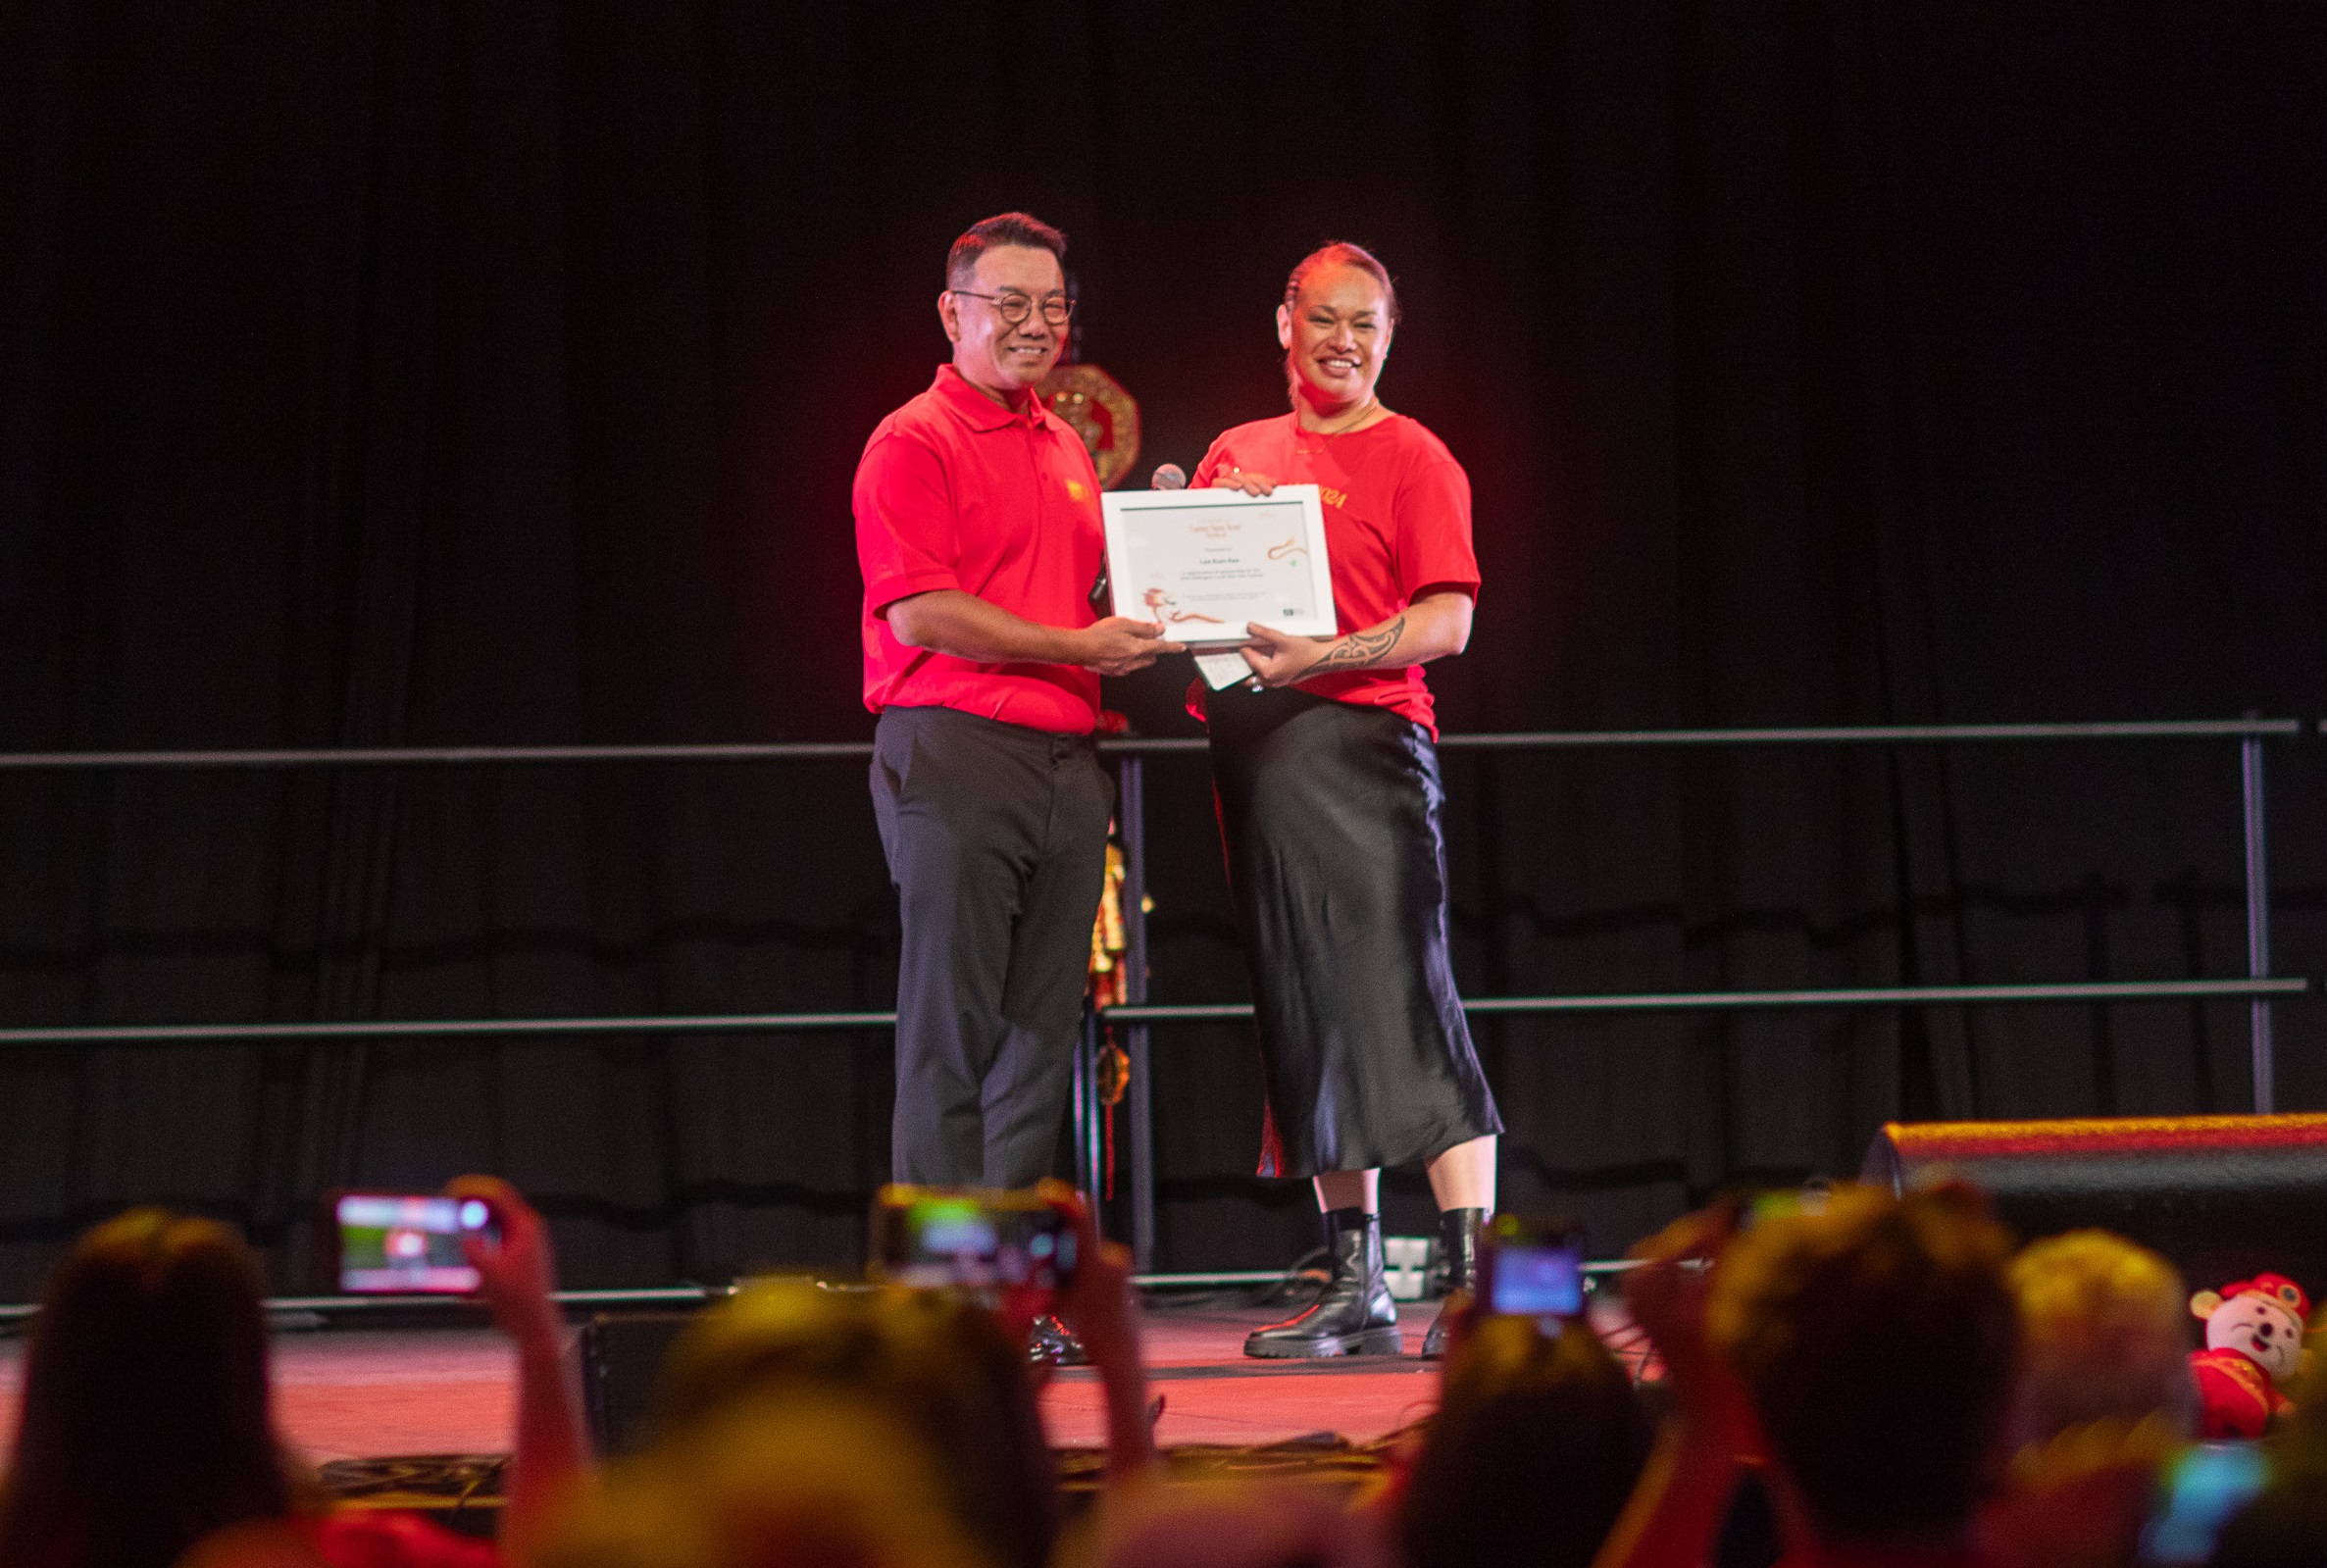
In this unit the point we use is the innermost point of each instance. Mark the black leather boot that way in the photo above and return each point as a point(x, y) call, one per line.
point(1458, 1245)
point(1356, 1316)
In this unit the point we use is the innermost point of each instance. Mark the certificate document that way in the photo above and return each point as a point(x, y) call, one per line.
point(1206, 561)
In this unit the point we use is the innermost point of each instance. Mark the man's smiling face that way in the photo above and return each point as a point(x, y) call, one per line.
point(999, 359)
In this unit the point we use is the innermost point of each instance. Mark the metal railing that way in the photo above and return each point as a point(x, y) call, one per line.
point(1137, 1015)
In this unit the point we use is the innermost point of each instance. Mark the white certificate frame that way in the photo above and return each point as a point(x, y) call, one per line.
point(1199, 559)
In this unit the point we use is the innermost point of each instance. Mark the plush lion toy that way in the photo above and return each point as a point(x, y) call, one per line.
point(2254, 1344)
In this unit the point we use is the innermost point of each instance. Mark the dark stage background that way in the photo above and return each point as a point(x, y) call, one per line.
point(428, 372)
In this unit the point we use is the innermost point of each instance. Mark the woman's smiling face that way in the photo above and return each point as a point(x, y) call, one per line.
point(1335, 334)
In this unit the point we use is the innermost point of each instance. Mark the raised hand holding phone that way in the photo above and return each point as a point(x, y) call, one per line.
point(516, 1274)
point(1027, 1253)
point(517, 1279)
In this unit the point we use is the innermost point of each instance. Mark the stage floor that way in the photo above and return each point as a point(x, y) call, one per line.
point(348, 1394)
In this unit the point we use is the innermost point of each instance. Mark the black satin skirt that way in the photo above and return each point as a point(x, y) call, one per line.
point(1330, 815)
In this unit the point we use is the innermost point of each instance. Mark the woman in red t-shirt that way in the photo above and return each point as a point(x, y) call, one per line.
point(1327, 771)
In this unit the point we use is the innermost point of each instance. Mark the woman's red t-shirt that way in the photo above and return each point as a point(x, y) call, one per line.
point(1397, 519)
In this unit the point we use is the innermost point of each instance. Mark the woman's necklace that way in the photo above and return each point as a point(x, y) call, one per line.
point(1351, 421)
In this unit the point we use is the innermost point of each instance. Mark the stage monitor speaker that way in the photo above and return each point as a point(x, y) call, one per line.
point(2224, 1197)
point(622, 1360)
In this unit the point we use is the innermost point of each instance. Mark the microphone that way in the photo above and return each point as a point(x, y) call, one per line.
point(1169, 476)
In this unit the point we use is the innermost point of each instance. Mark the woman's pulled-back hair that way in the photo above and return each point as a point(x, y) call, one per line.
point(145, 1422)
point(1340, 253)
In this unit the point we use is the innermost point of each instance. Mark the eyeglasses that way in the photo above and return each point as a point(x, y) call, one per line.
point(1014, 308)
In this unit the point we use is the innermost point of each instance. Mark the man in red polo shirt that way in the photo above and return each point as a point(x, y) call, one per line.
point(977, 530)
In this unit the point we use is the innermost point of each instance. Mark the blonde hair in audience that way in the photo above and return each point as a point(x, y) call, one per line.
point(2105, 1334)
point(793, 1482)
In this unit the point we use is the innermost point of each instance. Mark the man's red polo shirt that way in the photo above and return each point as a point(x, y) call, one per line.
point(955, 492)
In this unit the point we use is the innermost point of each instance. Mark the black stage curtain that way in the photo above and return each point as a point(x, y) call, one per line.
point(420, 372)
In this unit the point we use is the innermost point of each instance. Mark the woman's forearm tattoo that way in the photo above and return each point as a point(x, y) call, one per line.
point(1359, 648)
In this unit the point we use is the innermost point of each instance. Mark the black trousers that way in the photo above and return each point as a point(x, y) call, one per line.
point(996, 838)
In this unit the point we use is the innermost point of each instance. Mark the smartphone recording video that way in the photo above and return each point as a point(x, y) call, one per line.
point(400, 1244)
point(1532, 1270)
point(933, 1237)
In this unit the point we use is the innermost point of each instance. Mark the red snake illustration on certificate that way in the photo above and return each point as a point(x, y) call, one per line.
point(1161, 606)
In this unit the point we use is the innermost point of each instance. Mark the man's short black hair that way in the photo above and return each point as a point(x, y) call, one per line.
point(1003, 228)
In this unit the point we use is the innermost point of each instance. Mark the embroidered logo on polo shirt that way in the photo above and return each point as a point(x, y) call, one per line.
point(1076, 491)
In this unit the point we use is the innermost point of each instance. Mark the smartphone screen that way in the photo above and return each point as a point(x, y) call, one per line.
point(2202, 1490)
point(933, 1239)
point(1533, 1280)
point(399, 1242)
